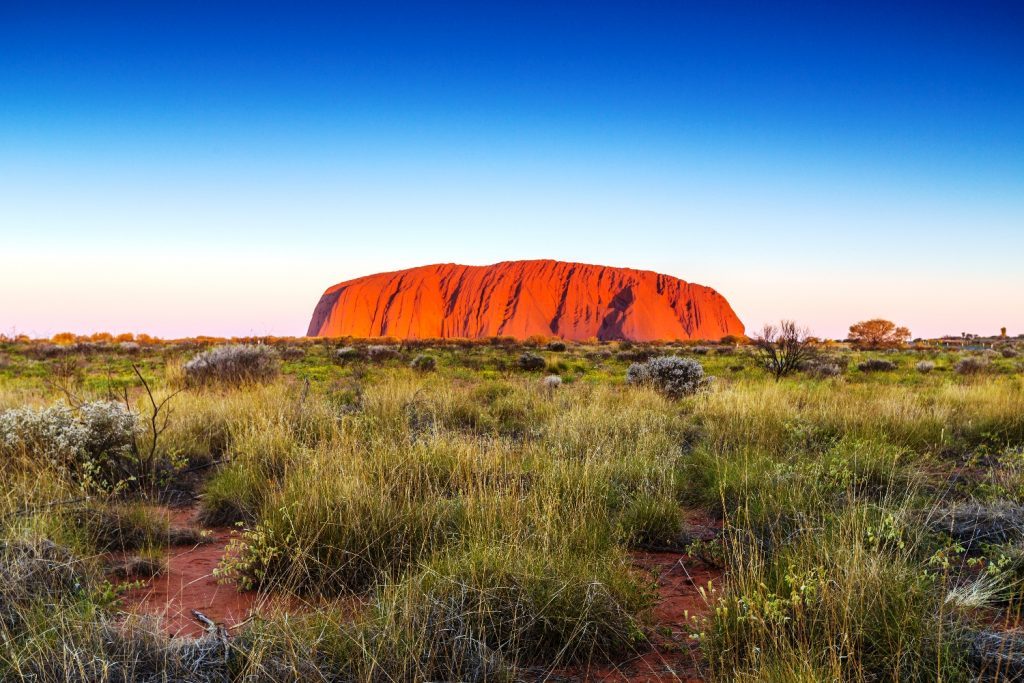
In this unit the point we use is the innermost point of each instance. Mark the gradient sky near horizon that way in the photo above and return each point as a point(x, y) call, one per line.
point(210, 168)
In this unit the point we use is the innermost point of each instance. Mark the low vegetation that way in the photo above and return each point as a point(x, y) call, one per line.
point(484, 511)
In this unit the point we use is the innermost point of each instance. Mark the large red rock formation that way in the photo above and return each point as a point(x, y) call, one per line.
point(522, 298)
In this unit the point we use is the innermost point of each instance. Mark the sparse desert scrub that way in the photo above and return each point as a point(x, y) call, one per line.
point(924, 366)
point(472, 524)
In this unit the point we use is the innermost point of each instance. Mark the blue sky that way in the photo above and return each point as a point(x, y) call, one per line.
point(188, 170)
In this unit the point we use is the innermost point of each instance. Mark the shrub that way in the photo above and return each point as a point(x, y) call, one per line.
point(95, 444)
point(379, 353)
point(347, 354)
point(671, 375)
point(826, 366)
point(423, 363)
point(925, 366)
point(128, 347)
point(552, 382)
point(1009, 352)
point(235, 364)
point(876, 365)
point(557, 346)
point(531, 362)
point(292, 353)
point(971, 365)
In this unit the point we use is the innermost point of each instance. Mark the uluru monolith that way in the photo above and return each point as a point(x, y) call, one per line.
point(574, 301)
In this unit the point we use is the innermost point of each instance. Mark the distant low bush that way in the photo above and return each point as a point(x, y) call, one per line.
point(671, 375)
point(423, 363)
point(379, 353)
point(557, 346)
point(347, 354)
point(971, 365)
point(824, 366)
point(1009, 352)
point(531, 362)
point(924, 366)
point(876, 365)
point(233, 364)
point(291, 353)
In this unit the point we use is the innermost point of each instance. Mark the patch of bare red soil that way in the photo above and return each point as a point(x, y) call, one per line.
point(674, 655)
point(188, 583)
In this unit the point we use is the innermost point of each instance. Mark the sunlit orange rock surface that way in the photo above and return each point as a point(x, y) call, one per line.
point(522, 298)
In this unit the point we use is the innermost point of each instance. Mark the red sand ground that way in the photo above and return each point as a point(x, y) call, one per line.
point(188, 584)
point(522, 298)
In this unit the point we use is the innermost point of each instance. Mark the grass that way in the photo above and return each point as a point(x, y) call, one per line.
point(471, 523)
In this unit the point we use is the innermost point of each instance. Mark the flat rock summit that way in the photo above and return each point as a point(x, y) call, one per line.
point(573, 301)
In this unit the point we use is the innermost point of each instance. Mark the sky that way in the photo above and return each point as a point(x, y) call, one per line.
point(210, 168)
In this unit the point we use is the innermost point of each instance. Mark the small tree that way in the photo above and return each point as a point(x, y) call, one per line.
point(878, 334)
point(783, 349)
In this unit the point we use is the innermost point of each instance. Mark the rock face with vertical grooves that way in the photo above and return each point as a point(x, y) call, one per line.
point(518, 299)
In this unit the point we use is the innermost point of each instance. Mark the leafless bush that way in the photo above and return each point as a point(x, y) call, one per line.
point(783, 349)
point(925, 366)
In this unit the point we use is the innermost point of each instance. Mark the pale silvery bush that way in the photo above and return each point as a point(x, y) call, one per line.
point(53, 433)
point(552, 382)
point(110, 429)
point(233, 364)
point(925, 366)
point(671, 375)
point(93, 443)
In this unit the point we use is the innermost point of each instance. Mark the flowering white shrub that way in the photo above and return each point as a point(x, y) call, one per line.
point(233, 364)
point(671, 375)
point(93, 443)
point(53, 433)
